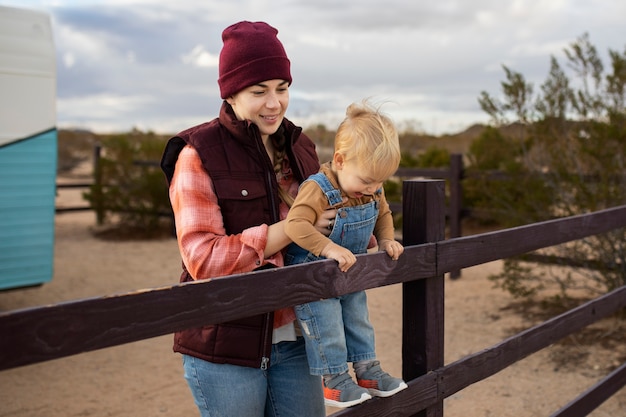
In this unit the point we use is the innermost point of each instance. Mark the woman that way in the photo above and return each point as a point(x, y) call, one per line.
point(229, 180)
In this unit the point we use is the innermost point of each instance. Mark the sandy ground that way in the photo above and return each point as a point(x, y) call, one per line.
point(144, 379)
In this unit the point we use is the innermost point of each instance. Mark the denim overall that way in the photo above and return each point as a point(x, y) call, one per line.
point(338, 330)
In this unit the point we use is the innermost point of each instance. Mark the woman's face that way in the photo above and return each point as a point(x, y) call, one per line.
point(264, 104)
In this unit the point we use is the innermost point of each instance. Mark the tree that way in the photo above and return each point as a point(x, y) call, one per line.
point(574, 147)
point(497, 198)
point(434, 157)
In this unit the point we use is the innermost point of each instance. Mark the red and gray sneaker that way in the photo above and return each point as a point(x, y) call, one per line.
point(341, 391)
point(379, 383)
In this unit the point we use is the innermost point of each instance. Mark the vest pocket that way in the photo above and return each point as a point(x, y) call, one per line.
point(243, 201)
point(239, 188)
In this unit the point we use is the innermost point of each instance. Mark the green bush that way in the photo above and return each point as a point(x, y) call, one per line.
point(130, 190)
point(500, 187)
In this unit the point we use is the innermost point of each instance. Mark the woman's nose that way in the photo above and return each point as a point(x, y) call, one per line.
point(272, 101)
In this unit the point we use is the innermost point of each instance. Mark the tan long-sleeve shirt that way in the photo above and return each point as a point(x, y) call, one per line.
point(311, 202)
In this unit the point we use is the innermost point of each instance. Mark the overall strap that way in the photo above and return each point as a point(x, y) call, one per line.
point(332, 194)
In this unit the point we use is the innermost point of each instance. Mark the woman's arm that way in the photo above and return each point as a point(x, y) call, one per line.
point(206, 249)
point(308, 219)
point(277, 237)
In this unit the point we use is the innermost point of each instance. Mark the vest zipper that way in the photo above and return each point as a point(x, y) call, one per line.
point(274, 206)
point(268, 328)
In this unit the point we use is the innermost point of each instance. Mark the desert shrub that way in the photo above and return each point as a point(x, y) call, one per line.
point(433, 157)
point(499, 187)
point(570, 160)
point(130, 191)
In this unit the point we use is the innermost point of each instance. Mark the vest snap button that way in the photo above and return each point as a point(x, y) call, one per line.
point(244, 193)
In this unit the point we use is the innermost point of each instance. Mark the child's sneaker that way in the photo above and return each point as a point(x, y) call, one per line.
point(379, 382)
point(341, 391)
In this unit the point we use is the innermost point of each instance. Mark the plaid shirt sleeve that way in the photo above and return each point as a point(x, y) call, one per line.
point(206, 250)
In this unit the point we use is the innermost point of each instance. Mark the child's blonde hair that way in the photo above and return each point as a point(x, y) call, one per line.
point(369, 138)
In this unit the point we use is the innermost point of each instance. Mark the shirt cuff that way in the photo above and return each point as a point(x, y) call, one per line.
point(256, 239)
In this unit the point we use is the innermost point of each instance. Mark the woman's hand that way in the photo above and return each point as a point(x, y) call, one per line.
point(326, 221)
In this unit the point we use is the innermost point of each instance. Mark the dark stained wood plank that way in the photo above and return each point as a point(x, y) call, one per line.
point(51, 332)
point(473, 250)
point(490, 361)
point(456, 201)
point(438, 173)
point(423, 300)
point(596, 395)
point(421, 393)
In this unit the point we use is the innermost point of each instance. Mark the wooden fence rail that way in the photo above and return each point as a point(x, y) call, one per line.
point(50, 332)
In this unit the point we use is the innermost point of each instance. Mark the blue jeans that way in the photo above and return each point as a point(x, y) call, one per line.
point(285, 389)
point(338, 331)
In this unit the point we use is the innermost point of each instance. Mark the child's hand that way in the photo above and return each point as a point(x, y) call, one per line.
point(343, 256)
point(393, 248)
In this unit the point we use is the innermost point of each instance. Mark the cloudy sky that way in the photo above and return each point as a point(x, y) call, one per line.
point(152, 64)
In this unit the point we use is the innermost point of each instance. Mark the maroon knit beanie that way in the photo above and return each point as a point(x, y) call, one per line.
point(251, 53)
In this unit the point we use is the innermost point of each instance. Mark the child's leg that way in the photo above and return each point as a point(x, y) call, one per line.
point(323, 330)
point(361, 348)
point(357, 327)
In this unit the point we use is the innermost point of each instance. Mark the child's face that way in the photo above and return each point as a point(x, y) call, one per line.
point(354, 180)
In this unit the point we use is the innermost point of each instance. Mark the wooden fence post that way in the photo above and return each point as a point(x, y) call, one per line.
point(96, 188)
point(423, 208)
point(456, 201)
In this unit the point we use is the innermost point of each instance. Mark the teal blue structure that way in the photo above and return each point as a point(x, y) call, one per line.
point(28, 148)
point(27, 186)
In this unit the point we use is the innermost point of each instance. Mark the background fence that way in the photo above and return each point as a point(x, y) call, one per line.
point(453, 174)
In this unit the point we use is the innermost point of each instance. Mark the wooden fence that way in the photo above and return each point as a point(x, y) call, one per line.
point(97, 151)
point(48, 332)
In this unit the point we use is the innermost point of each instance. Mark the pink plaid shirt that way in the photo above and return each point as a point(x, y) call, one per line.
point(206, 250)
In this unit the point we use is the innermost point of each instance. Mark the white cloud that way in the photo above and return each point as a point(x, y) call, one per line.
point(200, 57)
point(131, 57)
point(317, 40)
point(83, 47)
point(539, 49)
point(101, 106)
point(69, 60)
